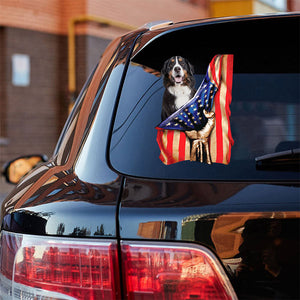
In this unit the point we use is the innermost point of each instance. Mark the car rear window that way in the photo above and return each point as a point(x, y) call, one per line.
point(260, 116)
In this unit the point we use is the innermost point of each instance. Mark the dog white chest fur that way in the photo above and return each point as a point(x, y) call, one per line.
point(182, 94)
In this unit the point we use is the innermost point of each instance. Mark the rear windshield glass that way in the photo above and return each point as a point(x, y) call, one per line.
point(209, 102)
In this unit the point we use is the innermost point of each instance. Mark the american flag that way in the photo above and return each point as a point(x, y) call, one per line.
point(190, 116)
point(214, 94)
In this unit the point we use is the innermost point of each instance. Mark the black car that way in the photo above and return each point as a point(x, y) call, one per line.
point(200, 204)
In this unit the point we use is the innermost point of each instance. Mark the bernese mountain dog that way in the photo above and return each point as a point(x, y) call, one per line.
point(179, 82)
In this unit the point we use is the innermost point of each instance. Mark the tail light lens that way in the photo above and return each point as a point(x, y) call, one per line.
point(34, 267)
point(173, 271)
point(55, 268)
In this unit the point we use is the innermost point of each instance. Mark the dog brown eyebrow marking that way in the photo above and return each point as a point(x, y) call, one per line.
point(172, 60)
point(180, 59)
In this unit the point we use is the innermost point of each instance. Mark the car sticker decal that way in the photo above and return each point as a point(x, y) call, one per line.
point(200, 129)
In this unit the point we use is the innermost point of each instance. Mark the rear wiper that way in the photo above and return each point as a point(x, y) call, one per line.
point(287, 160)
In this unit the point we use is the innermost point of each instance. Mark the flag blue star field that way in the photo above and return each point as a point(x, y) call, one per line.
point(214, 94)
point(190, 116)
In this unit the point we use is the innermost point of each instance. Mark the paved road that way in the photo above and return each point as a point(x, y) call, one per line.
point(5, 188)
point(2, 197)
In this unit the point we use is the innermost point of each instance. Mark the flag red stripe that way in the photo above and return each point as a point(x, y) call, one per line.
point(182, 140)
point(170, 136)
point(219, 131)
point(229, 76)
point(159, 142)
point(213, 69)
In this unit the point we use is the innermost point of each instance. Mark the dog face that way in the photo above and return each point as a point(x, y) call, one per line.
point(177, 71)
point(179, 84)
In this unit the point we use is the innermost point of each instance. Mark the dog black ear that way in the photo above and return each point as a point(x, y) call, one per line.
point(190, 68)
point(164, 68)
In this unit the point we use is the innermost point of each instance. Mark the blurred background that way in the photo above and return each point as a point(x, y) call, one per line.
point(49, 47)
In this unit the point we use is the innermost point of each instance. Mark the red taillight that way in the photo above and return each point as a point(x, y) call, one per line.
point(81, 269)
point(34, 267)
point(10, 244)
point(173, 271)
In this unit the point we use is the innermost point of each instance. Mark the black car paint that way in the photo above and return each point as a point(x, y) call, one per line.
point(190, 212)
point(69, 207)
point(70, 202)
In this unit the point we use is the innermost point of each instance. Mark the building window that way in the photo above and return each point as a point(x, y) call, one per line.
point(20, 70)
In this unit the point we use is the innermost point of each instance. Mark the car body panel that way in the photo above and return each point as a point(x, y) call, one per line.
point(67, 206)
point(249, 226)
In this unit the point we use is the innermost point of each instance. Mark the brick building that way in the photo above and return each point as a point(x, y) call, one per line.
point(221, 8)
point(34, 93)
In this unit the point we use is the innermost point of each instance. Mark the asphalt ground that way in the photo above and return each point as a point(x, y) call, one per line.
point(5, 189)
